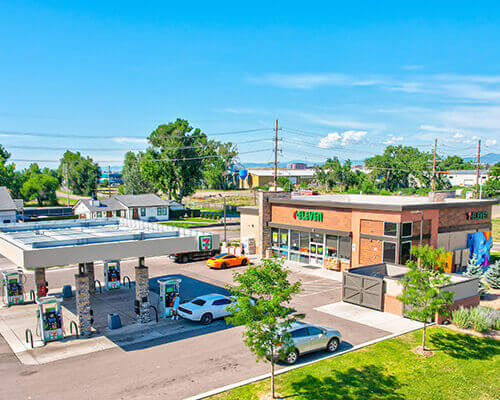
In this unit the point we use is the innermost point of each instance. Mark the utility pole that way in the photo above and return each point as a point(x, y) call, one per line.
point(109, 181)
point(225, 238)
point(434, 166)
point(276, 157)
point(477, 167)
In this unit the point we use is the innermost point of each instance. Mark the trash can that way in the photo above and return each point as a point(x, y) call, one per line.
point(67, 292)
point(114, 321)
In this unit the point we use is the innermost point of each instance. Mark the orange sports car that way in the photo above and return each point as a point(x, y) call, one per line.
point(225, 260)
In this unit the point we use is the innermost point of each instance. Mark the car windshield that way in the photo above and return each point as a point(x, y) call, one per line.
point(221, 255)
point(198, 302)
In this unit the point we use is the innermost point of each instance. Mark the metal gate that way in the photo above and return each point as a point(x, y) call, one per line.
point(363, 290)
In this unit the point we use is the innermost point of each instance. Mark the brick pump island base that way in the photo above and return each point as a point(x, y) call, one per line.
point(345, 232)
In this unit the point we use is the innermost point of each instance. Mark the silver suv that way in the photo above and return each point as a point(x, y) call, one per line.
point(306, 338)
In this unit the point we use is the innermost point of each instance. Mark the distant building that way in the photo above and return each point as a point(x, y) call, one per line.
point(146, 207)
point(260, 177)
point(297, 166)
point(466, 178)
point(10, 209)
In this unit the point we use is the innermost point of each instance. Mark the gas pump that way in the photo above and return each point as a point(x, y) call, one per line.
point(112, 274)
point(13, 287)
point(50, 321)
point(169, 293)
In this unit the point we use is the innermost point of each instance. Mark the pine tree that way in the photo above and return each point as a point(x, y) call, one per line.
point(492, 276)
point(475, 270)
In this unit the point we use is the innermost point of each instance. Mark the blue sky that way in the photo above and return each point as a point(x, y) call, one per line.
point(343, 78)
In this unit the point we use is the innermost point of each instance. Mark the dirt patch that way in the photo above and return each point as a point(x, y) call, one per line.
point(267, 396)
point(421, 352)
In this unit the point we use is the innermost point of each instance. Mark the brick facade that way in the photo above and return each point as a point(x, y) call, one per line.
point(472, 301)
point(392, 305)
point(264, 239)
point(457, 216)
point(370, 251)
point(335, 219)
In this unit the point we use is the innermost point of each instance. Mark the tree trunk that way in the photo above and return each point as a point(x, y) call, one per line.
point(272, 378)
point(423, 336)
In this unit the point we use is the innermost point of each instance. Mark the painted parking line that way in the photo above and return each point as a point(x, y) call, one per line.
point(317, 286)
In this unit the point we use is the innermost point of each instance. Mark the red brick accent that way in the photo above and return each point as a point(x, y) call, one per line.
point(370, 251)
point(467, 302)
point(371, 227)
point(392, 305)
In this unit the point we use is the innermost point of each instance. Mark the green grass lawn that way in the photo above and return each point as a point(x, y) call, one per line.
point(463, 367)
point(189, 222)
point(496, 229)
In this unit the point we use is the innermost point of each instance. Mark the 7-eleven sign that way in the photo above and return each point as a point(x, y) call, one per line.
point(205, 243)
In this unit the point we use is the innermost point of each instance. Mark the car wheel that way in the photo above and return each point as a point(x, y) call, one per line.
point(244, 262)
point(185, 259)
point(223, 265)
point(333, 345)
point(206, 319)
point(292, 357)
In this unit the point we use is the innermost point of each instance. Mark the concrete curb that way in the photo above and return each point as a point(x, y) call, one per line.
point(291, 368)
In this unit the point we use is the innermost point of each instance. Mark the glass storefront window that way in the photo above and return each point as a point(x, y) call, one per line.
point(295, 257)
point(331, 245)
point(344, 247)
point(404, 252)
point(284, 238)
point(304, 259)
point(317, 237)
point(389, 252)
point(295, 240)
point(275, 237)
point(304, 242)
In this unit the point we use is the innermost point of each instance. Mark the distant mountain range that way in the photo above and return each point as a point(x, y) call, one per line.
point(490, 158)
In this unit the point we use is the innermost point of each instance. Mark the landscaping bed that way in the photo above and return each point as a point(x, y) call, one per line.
point(462, 367)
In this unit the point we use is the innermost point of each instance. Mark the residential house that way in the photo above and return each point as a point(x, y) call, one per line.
point(147, 207)
point(465, 178)
point(10, 209)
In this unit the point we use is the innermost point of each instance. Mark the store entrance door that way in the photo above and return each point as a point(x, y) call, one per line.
point(316, 251)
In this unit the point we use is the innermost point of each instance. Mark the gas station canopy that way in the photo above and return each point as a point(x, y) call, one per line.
point(45, 244)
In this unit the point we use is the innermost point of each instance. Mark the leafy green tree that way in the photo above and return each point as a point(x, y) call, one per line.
point(173, 162)
point(333, 173)
point(455, 163)
point(267, 317)
point(7, 171)
point(134, 181)
point(492, 275)
point(423, 295)
point(475, 270)
point(284, 183)
point(492, 186)
point(83, 173)
point(220, 158)
point(41, 187)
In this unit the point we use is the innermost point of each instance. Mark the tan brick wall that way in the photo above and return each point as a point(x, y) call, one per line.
point(392, 305)
point(458, 216)
point(371, 227)
point(264, 239)
point(332, 219)
point(370, 251)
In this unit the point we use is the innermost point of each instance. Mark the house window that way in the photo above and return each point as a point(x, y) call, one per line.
point(118, 213)
point(143, 212)
point(165, 211)
point(159, 211)
point(389, 252)
point(390, 229)
point(405, 254)
point(406, 229)
point(99, 214)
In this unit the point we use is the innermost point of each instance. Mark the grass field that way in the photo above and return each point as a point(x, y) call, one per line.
point(463, 367)
point(496, 229)
point(189, 222)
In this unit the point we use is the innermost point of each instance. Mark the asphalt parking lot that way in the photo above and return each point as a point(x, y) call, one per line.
point(176, 368)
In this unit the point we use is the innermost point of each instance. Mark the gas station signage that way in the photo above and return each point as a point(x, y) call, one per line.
point(473, 215)
point(205, 243)
point(308, 215)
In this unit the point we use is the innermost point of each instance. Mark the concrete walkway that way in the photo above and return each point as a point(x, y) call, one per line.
point(366, 316)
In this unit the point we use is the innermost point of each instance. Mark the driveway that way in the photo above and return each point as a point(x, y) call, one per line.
point(180, 367)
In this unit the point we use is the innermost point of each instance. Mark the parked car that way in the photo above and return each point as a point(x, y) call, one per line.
point(226, 260)
point(206, 308)
point(306, 338)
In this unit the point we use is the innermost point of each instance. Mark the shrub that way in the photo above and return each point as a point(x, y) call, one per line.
point(461, 318)
point(475, 270)
point(480, 319)
point(492, 276)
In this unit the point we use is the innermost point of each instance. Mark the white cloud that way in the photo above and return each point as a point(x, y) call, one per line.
point(343, 139)
point(393, 139)
point(124, 139)
point(491, 142)
point(458, 136)
point(432, 128)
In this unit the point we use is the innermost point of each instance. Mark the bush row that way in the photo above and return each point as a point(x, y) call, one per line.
point(478, 318)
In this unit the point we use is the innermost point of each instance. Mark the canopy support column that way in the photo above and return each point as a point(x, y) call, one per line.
point(82, 291)
point(89, 269)
point(142, 292)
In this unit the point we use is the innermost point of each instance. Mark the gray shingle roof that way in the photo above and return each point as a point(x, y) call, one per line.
point(105, 204)
point(141, 200)
point(6, 202)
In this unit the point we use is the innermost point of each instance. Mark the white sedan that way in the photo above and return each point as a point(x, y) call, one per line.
point(206, 308)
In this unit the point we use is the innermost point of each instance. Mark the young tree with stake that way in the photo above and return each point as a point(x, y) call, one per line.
point(266, 317)
point(423, 293)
